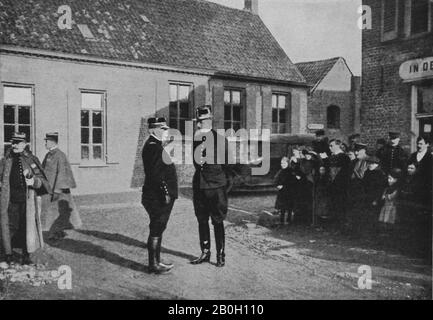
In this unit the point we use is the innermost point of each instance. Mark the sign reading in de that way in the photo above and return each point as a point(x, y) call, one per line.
point(417, 69)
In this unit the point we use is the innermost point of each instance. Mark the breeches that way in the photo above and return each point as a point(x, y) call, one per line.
point(158, 214)
point(210, 203)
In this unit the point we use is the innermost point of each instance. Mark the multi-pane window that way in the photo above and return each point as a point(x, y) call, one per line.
point(233, 109)
point(180, 105)
point(425, 99)
point(92, 126)
point(281, 113)
point(17, 106)
point(420, 15)
point(333, 117)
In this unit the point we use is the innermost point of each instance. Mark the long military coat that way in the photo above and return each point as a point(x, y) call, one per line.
point(41, 186)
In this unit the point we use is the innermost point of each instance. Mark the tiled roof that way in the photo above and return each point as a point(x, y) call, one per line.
point(315, 71)
point(181, 33)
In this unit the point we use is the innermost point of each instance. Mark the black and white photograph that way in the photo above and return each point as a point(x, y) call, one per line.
point(216, 151)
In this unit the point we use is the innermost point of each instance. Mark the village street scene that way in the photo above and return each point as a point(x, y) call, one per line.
point(216, 150)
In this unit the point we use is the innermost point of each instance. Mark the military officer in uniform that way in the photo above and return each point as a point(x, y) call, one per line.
point(160, 190)
point(393, 154)
point(211, 183)
point(22, 182)
point(59, 212)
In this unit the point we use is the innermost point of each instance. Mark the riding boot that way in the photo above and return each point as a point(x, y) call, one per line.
point(220, 243)
point(204, 235)
point(152, 248)
point(158, 256)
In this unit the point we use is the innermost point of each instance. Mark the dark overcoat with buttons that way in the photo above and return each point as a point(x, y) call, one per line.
point(393, 157)
point(216, 174)
point(41, 186)
point(212, 178)
point(160, 172)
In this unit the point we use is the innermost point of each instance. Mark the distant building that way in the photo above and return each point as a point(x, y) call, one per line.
point(334, 99)
point(397, 70)
point(124, 61)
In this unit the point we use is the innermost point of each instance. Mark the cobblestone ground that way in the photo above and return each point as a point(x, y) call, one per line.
point(108, 259)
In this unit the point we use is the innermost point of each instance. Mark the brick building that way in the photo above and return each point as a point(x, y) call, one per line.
point(120, 62)
point(397, 70)
point(334, 99)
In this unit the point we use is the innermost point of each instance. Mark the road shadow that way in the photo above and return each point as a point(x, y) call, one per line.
point(90, 249)
point(116, 237)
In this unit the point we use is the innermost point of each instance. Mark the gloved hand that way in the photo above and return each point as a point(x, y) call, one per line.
point(167, 199)
point(30, 180)
point(279, 187)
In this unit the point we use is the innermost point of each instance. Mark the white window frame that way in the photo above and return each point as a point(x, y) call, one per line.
point(287, 108)
point(32, 137)
point(242, 122)
point(190, 102)
point(103, 160)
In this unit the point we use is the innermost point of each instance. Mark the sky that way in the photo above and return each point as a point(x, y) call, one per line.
point(312, 29)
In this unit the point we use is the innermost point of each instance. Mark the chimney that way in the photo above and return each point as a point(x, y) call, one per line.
point(252, 6)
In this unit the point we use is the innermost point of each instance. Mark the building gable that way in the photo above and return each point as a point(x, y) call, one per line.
point(339, 78)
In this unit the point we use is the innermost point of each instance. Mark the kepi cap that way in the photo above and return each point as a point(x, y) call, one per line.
point(360, 146)
point(394, 135)
point(203, 113)
point(53, 136)
point(157, 123)
point(19, 137)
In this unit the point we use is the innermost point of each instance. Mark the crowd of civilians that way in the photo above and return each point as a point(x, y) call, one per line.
point(382, 191)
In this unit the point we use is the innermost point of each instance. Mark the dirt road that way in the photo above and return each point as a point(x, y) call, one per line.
point(108, 258)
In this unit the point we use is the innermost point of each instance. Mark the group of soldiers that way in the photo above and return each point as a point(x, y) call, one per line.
point(211, 182)
point(35, 198)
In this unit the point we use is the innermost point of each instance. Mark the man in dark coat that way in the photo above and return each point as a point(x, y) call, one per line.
point(22, 182)
point(59, 212)
point(374, 183)
point(339, 166)
point(355, 190)
point(211, 183)
point(321, 144)
point(423, 161)
point(393, 155)
point(160, 190)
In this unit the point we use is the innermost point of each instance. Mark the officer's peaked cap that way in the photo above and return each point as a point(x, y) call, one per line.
point(157, 123)
point(203, 113)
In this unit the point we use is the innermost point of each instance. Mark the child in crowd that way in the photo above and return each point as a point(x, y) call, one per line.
point(388, 214)
point(284, 181)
